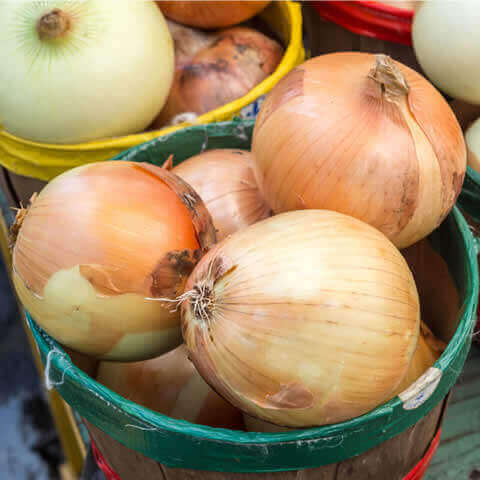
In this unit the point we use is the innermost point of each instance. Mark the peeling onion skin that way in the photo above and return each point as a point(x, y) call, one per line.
point(211, 14)
point(225, 181)
point(169, 384)
point(306, 318)
point(97, 250)
point(365, 136)
point(227, 69)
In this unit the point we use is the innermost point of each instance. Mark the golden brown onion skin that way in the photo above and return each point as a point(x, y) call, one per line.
point(224, 71)
point(225, 181)
point(96, 251)
point(211, 14)
point(352, 133)
point(169, 384)
point(306, 318)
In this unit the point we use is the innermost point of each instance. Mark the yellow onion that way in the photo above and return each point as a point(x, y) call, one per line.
point(306, 318)
point(225, 181)
point(169, 384)
point(211, 14)
point(429, 349)
point(99, 250)
point(362, 135)
point(221, 68)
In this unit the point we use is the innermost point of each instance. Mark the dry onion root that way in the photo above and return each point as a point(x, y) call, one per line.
point(365, 136)
point(101, 250)
point(219, 68)
point(170, 385)
point(225, 181)
point(211, 14)
point(306, 318)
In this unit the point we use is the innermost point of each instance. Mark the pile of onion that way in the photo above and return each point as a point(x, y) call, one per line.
point(306, 318)
point(100, 251)
point(225, 182)
point(170, 384)
point(362, 135)
point(70, 72)
point(213, 69)
point(211, 14)
point(445, 37)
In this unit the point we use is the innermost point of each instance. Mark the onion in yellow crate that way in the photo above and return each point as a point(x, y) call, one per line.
point(362, 135)
point(306, 318)
point(211, 14)
point(100, 251)
point(169, 384)
point(74, 71)
point(225, 181)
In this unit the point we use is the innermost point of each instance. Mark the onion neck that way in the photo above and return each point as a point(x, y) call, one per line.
point(53, 25)
point(17, 224)
point(393, 84)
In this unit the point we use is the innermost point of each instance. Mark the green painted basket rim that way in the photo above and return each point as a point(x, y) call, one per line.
point(257, 452)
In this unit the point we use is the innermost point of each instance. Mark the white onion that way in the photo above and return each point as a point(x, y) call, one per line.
point(446, 38)
point(107, 75)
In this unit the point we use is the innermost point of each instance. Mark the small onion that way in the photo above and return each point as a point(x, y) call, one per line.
point(101, 248)
point(211, 14)
point(218, 71)
point(361, 135)
point(170, 385)
point(225, 181)
point(76, 71)
point(472, 136)
point(445, 37)
point(306, 318)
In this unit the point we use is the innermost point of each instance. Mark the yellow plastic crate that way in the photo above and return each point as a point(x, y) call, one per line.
point(45, 161)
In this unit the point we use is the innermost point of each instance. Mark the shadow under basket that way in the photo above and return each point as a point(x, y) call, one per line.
point(387, 442)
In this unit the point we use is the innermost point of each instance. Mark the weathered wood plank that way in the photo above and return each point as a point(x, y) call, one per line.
point(458, 457)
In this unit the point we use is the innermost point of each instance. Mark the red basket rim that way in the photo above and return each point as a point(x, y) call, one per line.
point(367, 18)
point(415, 474)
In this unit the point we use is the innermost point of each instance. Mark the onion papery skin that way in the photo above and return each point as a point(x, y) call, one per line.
point(225, 181)
point(100, 248)
point(306, 318)
point(238, 60)
point(453, 68)
point(387, 150)
point(108, 75)
point(169, 384)
point(211, 14)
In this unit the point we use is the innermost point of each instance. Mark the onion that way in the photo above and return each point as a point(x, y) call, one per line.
point(237, 60)
point(361, 135)
point(427, 353)
point(170, 385)
point(99, 252)
point(306, 318)
point(445, 37)
point(76, 71)
point(224, 180)
point(211, 14)
point(472, 136)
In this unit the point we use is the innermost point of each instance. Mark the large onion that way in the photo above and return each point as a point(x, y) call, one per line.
point(225, 181)
point(99, 249)
point(73, 71)
point(170, 385)
point(445, 38)
point(472, 136)
point(211, 14)
point(365, 136)
point(306, 318)
point(222, 67)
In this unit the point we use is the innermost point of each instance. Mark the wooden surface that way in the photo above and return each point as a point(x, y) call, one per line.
point(458, 457)
point(391, 460)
